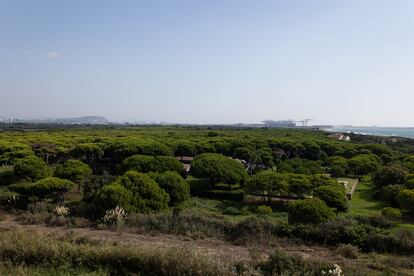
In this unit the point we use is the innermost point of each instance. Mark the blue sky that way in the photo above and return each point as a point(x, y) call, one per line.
point(224, 61)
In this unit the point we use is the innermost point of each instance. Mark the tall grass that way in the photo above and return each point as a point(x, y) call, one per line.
point(183, 224)
point(34, 249)
point(33, 253)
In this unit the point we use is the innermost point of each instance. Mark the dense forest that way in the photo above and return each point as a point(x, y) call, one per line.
point(239, 185)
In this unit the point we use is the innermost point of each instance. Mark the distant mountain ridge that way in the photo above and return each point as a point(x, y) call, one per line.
point(85, 120)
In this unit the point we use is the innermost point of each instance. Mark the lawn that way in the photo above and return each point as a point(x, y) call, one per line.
point(363, 203)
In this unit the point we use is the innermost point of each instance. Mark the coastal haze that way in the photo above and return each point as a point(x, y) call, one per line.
point(211, 62)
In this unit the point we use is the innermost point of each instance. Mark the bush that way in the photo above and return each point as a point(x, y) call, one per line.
point(114, 217)
point(390, 193)
point(232, 211)
point(348, 251)
point(31, 167)
point(7, 176)
point(392, 174)
point(250, 229)
point(406, 200)
point(113, 195)
point(375, 221)
point(264, 210)
point(391, 213)
point(309, 211)
point(280, 263)
point(39, 207)
point(334, 196)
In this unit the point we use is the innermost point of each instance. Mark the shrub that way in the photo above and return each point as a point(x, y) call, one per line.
point(391, 213)
point(375, 221)
point(231, 211)
point(7, 175)
point(392, 174)
point(334, 196)
point(114, 216)
point(347, 251)
point(61, 211)
point(251, 229)
point(406, 200)
point(113, 195)
point(309, 211)
point(39, 207)
point(390, 193)
point(31, 167)
point(264, 210)
point(280, 263)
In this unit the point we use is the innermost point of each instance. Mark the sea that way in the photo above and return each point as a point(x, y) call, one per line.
point(378, 131)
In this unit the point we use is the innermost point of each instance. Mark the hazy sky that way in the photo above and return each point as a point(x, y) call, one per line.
point(215, 61)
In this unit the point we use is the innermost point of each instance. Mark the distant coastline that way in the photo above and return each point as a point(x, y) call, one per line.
point(407, 132)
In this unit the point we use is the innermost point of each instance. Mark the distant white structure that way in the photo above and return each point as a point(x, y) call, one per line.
point(279, 124)
point(340, 137)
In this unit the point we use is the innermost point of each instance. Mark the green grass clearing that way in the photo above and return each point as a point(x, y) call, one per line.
point(232, 210)
point(363, 203)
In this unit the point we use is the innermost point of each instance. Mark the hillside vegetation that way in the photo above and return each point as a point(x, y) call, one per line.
point(244, 187)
